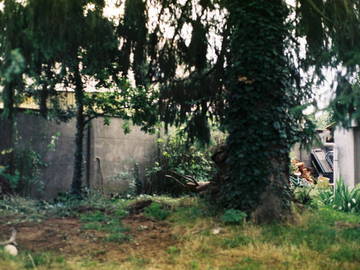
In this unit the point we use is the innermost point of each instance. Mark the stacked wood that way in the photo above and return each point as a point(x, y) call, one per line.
point(302, 171)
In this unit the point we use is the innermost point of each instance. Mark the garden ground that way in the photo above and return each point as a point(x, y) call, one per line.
point(173, 234)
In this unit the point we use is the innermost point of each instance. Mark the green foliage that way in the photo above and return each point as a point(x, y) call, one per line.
point(13, 179)
point(344, 106)
point(303, 195)
point(131, 177)
point(28, 165)
point(188, 214)
point(318, 232)
point(233, 216)
point(172, 250)
point(47, 260)
point(342, 197)
point(59, 48)
point(239, 240)
point(261, 117)
point(177, 158)
point(109, 223)
point(130, 104)
point(117, 237)
point(157, 211)
point(25, 210)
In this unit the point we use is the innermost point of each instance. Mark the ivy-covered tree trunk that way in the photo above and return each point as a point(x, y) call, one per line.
point(257, 118)
point(79, 136)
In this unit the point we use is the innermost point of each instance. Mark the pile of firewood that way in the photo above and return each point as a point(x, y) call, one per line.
point(301, 171)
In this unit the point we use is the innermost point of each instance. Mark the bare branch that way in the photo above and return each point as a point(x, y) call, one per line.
point(12, 239)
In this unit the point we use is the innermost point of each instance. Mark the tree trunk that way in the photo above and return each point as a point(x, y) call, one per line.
point(275, 200)
point(257, 117)
point(79, 136)
point(9, 116)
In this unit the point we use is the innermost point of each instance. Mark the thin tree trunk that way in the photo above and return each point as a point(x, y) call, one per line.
point(79, 136)
point(9, 158)
point(10, 117)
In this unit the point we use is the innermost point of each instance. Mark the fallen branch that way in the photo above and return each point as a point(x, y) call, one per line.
point(12, 240)
point(190, 182)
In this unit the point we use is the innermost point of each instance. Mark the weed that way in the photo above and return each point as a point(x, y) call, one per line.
point(139, 262)
point(96, 216)
point(173, 250)
point(117, 237)
point(156, 210)
point(346, 253)
point(194, 265)
point(245, 264)
point(235, 242)
point(342, 198)
point(187, 214)
point(43, 259)
point(110, 224)
point(233, 217)
point(350, 234)
point(303, 195)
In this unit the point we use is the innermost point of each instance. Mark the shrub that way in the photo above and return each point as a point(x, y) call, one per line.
point(342, 197)
point(176, 156)
point(233, 216)
point(156, 210)
point(303, 195)
point(26, 177)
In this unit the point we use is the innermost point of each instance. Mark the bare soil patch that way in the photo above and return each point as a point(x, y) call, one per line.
point(65, 236)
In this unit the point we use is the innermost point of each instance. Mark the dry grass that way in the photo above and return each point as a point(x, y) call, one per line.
point(314, 242)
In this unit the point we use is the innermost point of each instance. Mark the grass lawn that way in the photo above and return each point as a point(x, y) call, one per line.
point(173, 234)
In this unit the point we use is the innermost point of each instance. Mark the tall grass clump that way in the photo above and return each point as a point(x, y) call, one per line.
point(342, 197)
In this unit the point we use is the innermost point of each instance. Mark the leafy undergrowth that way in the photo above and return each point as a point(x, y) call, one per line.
point(178, 234)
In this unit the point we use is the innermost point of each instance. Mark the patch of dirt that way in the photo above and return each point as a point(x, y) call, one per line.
point(65, 236)
point(138, 207)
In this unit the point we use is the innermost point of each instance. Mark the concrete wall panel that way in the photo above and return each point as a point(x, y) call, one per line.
point(345, 147)
point(117, 152)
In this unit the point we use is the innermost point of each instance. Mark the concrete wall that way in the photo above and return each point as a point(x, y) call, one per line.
point(116, 156)
point(35, 133)
point(110, 156)
point(357, 154)
point(302, 154)
point(347, 147)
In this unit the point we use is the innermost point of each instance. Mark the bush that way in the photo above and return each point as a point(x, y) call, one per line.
point(26, 177)
point(342, 197)
point(303, 195)
point(233, 216)
point(177, 157)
